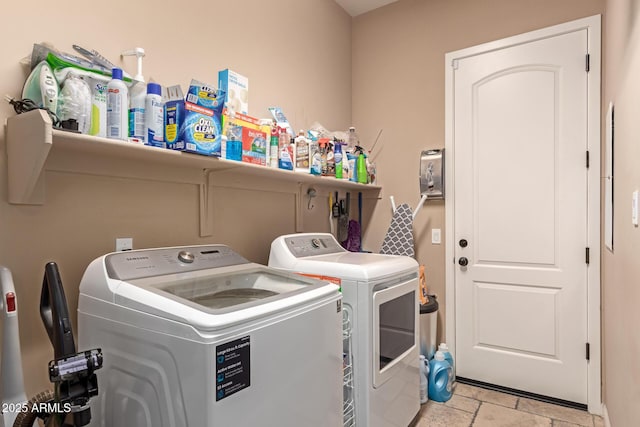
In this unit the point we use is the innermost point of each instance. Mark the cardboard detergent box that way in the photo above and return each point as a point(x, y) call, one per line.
point(200, 131)
point(173, 115)
point(236, 87)
point(237, 126)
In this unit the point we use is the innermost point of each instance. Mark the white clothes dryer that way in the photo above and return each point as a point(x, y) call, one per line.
point(199, 336)
point(380, 300)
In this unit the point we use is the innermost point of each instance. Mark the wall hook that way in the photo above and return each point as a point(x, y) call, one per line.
point(311, 193)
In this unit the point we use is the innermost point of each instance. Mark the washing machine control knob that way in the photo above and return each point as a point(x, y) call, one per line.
point(315, 243)
point(186, 257)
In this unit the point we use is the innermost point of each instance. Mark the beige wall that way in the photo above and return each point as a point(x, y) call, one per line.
point(296, 53)
point(621, 270)
point(398, 85)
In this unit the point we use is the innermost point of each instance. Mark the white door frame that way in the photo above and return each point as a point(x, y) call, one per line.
point(592, 24)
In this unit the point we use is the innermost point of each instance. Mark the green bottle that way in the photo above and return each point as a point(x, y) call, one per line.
point(337, 157)
point(361, 166)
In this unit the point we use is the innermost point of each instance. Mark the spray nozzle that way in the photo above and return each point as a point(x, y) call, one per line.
point(138, 52)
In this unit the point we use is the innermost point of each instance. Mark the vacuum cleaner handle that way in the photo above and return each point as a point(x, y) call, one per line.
point(55, 313)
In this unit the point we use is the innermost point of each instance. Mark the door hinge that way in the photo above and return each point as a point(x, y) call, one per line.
point(587, 159)
point(588, 63)
point(588, 351)
point(454, 64)
point(587, 255)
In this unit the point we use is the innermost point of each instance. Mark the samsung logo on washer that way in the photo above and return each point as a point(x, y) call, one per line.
point(137, 258)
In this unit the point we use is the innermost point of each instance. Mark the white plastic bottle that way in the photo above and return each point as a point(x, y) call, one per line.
point(117, 111)
point(353, 141)
point(424, 382)
point(154, 116)
point(137, 96)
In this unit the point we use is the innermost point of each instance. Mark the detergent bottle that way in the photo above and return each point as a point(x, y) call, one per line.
point(439, 374)
point(449, 358)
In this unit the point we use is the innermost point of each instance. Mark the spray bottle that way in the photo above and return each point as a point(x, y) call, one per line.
point(137, 97)
point(361, 166)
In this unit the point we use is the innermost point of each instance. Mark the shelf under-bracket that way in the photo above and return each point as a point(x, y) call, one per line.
point(28, 145)
point(206, 204)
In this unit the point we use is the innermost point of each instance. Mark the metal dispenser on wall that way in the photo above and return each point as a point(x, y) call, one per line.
point(432, 174)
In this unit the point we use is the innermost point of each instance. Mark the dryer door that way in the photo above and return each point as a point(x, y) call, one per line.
point(395, 329)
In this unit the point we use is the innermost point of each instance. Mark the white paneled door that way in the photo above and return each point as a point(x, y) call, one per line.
point(520, 218)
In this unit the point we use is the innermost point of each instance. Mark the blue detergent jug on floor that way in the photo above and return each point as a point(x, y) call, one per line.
point(449, 358)
point(439, 378)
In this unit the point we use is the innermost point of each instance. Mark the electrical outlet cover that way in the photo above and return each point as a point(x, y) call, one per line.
point(124, 244)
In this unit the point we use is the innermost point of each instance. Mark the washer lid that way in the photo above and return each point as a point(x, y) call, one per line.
point(218, 298)
point(219, 292)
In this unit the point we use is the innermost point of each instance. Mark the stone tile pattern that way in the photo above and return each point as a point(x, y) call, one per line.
point(472, 406)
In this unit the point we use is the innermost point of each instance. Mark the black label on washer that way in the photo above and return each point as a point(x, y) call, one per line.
point(233, 367)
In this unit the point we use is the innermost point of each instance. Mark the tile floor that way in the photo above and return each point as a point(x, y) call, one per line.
point(478, 407)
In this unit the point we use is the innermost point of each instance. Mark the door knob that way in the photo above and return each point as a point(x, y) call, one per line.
point(463, 262)
point(463, 243)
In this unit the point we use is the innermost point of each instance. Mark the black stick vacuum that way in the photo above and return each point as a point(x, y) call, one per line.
point(72, 373)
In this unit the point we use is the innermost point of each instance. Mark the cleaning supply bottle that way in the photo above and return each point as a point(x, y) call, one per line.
point(273, 148)
point(353, 141)
point(322, 145)
point(117, 111)
point(285, 150)
point(337, 157)
point(449, 358)
point(439, 375)
point(302, 153)
point(329, 166)
point(154, 116)
point(424, 381)
point(234, 141)
point(137, 99)
point(351, 166)
point(361, 166)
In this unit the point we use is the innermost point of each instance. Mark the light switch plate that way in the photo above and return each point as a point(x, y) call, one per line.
point(436, 236)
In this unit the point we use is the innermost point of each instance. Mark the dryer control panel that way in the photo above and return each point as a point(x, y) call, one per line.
point(304, 245)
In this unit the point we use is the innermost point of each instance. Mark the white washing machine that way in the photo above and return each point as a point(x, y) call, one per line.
point(199, 336)
point(380, 302)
